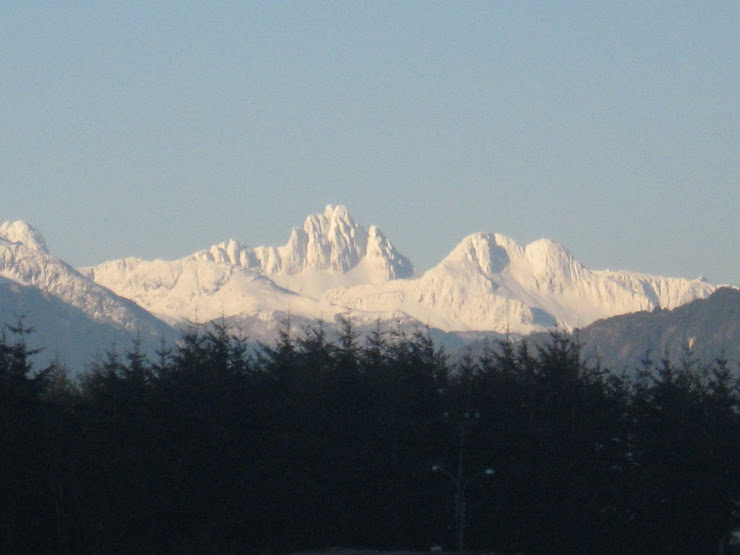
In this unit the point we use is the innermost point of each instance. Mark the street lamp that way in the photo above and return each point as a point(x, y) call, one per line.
point(460, 482)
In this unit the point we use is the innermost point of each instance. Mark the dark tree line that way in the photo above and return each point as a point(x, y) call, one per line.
point(317, 442)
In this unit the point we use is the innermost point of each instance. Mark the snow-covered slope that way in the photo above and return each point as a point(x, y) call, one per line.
point(25, 260)
point(200, 290)
point(63, 332)
point(50, 290)
point(489, 282)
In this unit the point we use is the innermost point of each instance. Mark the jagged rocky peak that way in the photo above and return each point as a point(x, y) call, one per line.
point(330, 240)
point(334, 241)
point(24, 233)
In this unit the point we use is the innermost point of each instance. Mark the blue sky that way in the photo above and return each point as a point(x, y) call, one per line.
point(155, 129)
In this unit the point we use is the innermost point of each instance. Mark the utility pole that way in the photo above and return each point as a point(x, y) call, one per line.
point(460, 481)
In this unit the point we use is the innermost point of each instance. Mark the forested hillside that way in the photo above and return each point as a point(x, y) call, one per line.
point(316, 442)
point(711, 326)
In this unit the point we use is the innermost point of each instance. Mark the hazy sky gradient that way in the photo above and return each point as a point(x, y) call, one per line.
point(156, 129)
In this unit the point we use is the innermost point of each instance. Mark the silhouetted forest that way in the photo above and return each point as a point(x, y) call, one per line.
point(212, 446)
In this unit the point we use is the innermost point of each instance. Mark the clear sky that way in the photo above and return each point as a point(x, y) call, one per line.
point(155, 129)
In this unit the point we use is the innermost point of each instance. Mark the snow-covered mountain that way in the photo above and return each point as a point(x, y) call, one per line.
point(331, 250)
point(329, 266)
point(489, 282)
point(231, 279)
point(50, 294)
point(332, 265)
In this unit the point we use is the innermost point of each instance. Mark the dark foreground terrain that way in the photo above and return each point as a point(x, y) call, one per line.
point(316, 443)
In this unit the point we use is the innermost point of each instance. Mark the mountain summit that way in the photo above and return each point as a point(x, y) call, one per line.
point(23, 233)
point(330, 250)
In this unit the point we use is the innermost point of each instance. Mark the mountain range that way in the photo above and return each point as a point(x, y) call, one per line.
point(331, 266)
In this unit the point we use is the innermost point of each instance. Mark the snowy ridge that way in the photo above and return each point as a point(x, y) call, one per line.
point(333, 265)
point(24, 261)
point(489, 282)
point(51, 295)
